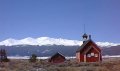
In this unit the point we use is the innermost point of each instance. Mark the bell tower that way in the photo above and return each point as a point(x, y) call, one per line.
point(85, 37)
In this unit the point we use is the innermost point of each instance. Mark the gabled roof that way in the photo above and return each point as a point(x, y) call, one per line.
point(84, 44)
point(56, 54)
point(87, 50)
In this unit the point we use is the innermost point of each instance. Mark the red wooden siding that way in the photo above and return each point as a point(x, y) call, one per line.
point(84, 55)
point(92, 58)
point(57, 58)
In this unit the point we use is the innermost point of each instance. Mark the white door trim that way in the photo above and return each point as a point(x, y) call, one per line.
point(84, 57)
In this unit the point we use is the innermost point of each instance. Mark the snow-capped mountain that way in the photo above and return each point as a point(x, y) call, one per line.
point(40, 41)
point(50, 41)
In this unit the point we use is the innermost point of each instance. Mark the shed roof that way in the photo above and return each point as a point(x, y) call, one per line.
point(57, 54)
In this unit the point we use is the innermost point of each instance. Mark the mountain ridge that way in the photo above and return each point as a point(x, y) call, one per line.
point(50, 41)
point(50, 50)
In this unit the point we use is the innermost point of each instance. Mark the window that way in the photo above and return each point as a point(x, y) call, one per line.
point(92, 54)
point(88, 55)
point(96, 55)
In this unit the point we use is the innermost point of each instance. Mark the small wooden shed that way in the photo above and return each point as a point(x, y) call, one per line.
point(57, 58)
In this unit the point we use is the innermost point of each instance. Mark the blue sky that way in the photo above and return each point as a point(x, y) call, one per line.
point(60, 19)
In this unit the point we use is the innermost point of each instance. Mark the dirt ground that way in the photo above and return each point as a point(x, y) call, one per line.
point(108, 64)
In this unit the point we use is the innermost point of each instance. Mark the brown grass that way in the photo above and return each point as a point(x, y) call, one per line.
point(71, 65)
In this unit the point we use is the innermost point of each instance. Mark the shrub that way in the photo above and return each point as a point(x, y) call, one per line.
point(5, 60)
point(33, 58)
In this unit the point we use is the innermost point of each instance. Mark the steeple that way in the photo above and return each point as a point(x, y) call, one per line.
point(85, 36)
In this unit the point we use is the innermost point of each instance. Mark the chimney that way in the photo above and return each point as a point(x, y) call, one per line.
point(89, 36)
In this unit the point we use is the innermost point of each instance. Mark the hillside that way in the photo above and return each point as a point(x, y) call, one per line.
point(42, 51)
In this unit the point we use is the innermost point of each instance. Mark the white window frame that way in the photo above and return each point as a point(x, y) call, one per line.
point(96, 55)
point(88, 55)
point(92, 54)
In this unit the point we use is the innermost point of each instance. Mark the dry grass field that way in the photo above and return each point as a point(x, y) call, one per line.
point(108, 64)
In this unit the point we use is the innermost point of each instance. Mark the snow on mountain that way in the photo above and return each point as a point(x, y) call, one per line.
point(27, 57)
point(40, 41)
point(50, 41)
point(107, 44)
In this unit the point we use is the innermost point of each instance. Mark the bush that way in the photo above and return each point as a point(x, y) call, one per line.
point(33, 58)
point(5, 60)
